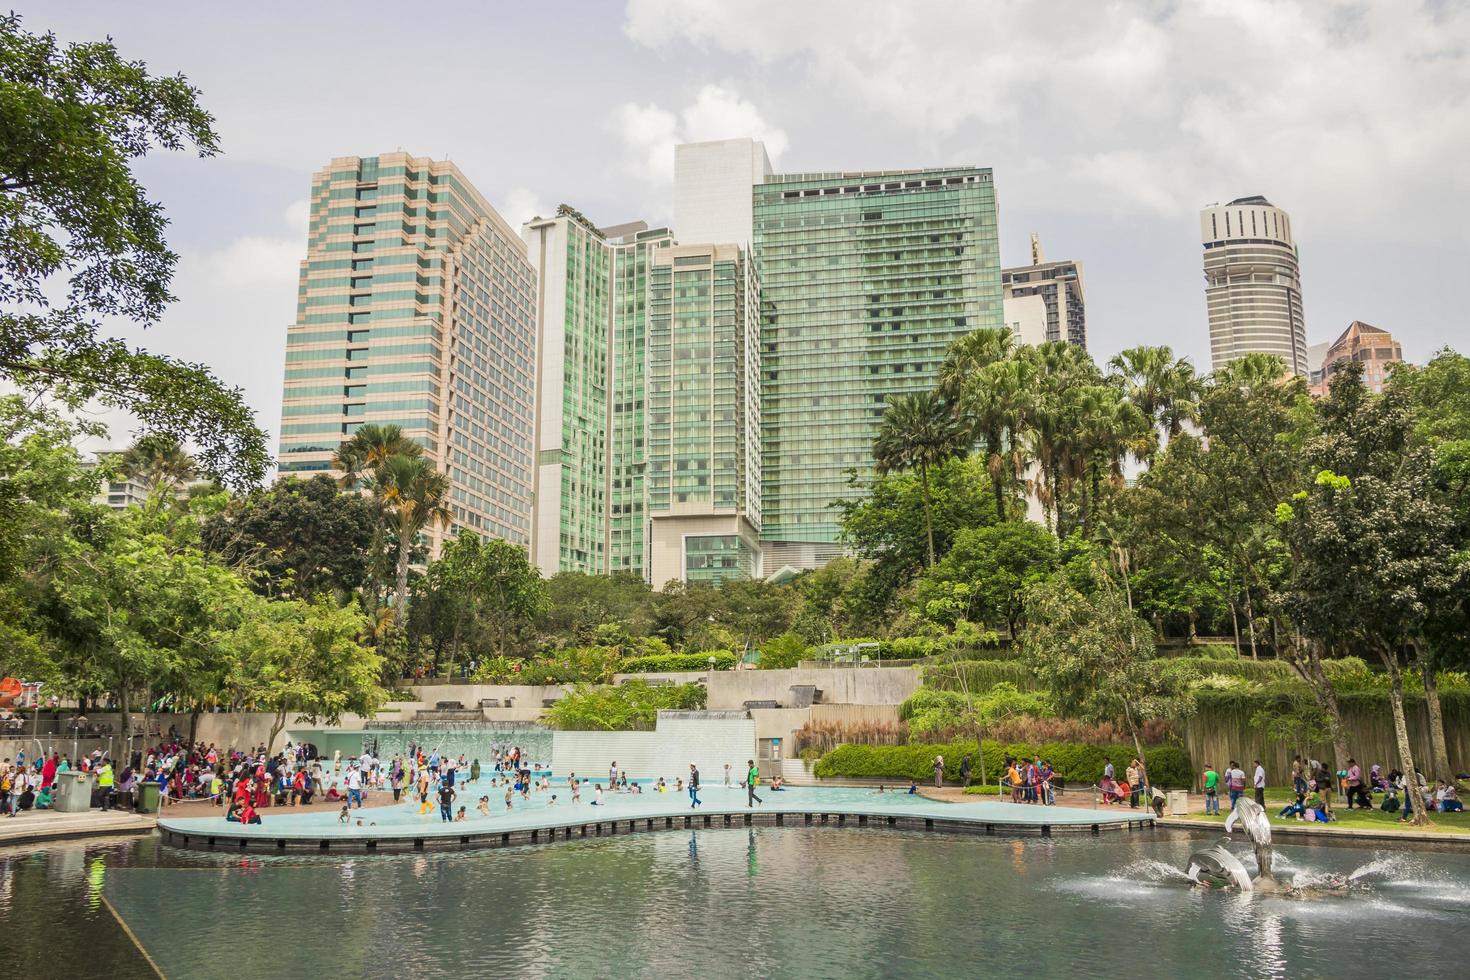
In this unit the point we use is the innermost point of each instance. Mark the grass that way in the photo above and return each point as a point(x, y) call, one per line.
point(1355, 819)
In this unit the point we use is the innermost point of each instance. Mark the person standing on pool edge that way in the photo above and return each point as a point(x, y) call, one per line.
point(693, 786)
point(750, 777)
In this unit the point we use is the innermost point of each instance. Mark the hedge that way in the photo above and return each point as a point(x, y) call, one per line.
point(1169, 765)
point(979, 675)
point(665, 662)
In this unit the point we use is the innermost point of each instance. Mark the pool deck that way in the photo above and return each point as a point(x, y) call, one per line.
point(400, 828)
point(48, 825)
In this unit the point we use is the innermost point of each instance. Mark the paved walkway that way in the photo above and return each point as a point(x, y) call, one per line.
point(43, 825)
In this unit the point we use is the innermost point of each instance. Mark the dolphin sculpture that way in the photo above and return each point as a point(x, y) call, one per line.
point(1252, 818)
point(1217, 867)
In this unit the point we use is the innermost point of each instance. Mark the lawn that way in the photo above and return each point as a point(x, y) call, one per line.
point(1355, 819)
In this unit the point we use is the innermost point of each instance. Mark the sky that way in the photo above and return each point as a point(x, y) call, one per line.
point(1108, 125)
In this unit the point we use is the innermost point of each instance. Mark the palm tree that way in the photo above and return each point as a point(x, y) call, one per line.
point(370, 446)
point(415, 494)
point(1164, 389)
point(160, 461)
point(1052, 425)
point(994, 403)
point(918, 432)
point(971, 354)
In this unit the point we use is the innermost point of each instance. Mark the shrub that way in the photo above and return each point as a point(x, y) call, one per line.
point(979, 675)
point(633, 706)
point(1169, 765)
point(785, 651)
point(590, 665)
point(660, 663)
point(824, 736)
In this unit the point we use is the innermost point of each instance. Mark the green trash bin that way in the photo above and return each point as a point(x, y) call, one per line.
point(148, 796)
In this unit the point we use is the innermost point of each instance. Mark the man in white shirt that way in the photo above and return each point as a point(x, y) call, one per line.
point(1259, 781)
point(353, 780)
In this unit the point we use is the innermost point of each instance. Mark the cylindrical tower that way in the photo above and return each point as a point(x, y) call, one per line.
point(1253, 283)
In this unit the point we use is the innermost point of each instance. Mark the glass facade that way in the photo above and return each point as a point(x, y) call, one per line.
point(703, 389)
point(865, 278)
point(716, 557)
point(410, 277)
point(592, 426)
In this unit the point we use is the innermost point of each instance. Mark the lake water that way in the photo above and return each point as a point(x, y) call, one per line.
point(766, 901)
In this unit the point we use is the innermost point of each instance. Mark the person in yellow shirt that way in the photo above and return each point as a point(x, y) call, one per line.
point(1013, 776)
point(105, 781)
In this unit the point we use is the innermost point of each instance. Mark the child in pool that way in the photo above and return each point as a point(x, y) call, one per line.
point(509, 797)
point(459, 817)
point(484, 805)
point(343, 817)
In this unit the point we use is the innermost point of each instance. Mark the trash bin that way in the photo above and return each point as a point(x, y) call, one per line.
point(73, 792)
point(147, 795)
point(1178, 802)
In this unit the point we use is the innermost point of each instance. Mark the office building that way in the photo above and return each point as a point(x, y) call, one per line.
point(1253, 286)
point(712, 183)
point(416, 307)
point(590, 418)
point(1371, 346)
point(703, 413)
point(1043, 300)
point(866, 278)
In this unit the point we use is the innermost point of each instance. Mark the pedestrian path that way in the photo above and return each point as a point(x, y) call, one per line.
point(44, 825)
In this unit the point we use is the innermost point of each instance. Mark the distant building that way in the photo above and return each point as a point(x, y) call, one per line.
point(121, 491)
point(1371, 346)
point(1043, 301)
point(591, 327)
point(712, 189)
point(416, 308)
point(1253, 285)
point(703, 474)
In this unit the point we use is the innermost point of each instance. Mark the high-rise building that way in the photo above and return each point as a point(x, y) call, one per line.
point(1253, 285)
point(703, 407)
point(712, 183)
point(1043, 300)
point(866, 278)
point(591, 335)
point(1371, 346)
point(416, 307)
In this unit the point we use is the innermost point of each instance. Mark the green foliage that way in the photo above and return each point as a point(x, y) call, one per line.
point(985, 573)
point(74, 119)
point(660, 663)
point(585, 665)
point(979, 675)
point(632, 706)
point(785, 651)
point(932, 711)
point(918, 432)
point(1168, 765)
point(300, 538)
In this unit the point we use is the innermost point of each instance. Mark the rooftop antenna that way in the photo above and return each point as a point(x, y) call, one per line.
point(1037, 255)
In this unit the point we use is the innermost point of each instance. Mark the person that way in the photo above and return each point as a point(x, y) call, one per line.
point(1156, 800)
point(1211, 782)
point(597, 794)
point(105, 783)
point(938, 771)
point(913, 788)
point(693, 786)
point(1298, 776)
point(1108, 772)
point(1109, 789)
point(1258, 780)
point(248, 814)
point(1316, 807)
point(751, 776)
point(552, 801)
point(447, 796)
point(460, 816)
point(475, 771)
point(1297, 808)
point(1390, 802)
point(1013, 776)
point(1134, 784)
point(881, 789)
point(1235, 782)
point(727, 775)
point(483, 806)
point(510, 796)
point(965, 770)
point(1045, 774)
point(1356, 788)
point(576, 790)
point(776, 784)
point(1448, 797)
point(345, 816)
point(44, 798)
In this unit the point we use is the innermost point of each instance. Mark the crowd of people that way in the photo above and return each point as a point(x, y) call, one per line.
point(1317, 790)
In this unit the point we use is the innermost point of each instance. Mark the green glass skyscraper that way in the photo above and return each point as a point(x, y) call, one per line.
point(866, 278)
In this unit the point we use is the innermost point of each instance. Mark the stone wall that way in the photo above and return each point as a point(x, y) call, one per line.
point(730, 689)
point(707, 739)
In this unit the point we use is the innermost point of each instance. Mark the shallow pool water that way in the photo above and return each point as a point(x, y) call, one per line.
point(758, 902)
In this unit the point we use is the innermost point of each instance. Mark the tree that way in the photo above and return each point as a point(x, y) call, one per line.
point(370, 447)
point(579, 603)
point(985, 574)
point(887, 527)
point(415, 494)
point(490, 590)
point(1165, 390)
point(304, 659)
point(72, 120)
point(160, 461)
point(996, 403)
point(1098, 659)
point(1375, 551)
point(918, 432)
point(299, 538)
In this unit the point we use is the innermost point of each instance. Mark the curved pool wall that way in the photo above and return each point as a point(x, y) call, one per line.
point(403, 827)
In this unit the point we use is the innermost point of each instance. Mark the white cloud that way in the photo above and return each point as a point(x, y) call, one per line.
point(298, 217)
point(251, 260)
point(520, 204)
point(649, 132)
point(1313, 102)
